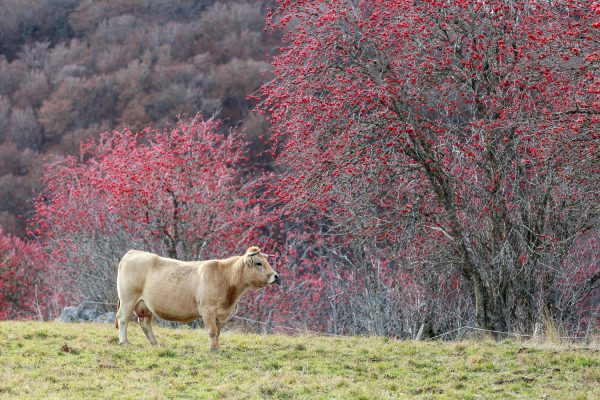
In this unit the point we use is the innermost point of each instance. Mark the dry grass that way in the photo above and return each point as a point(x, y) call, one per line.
point(56, 360)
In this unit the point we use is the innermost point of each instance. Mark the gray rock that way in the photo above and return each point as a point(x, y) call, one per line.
point(70, 314)
point(106, 318)
point(88, 313)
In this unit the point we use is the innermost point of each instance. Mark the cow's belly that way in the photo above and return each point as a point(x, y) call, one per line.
point(177, 316)
point(173, 308)
point(171, 293)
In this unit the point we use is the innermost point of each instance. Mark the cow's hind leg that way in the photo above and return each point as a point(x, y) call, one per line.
point(124, 315)
point(117, 313)
point(145, 319)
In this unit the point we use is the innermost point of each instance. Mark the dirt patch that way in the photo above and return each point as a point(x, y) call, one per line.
point(69, 350)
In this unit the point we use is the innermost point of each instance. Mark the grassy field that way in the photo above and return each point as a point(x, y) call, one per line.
point(58, 360)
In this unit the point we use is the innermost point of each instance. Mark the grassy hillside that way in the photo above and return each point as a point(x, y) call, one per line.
point(56, 360)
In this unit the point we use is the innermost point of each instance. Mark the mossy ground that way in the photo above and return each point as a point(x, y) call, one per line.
point(58, 360)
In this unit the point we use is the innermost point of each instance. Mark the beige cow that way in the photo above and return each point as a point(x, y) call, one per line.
point(185, 291)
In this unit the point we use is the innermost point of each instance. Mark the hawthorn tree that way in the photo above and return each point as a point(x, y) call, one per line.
point(176, 192)
point(24, 290)
point(184, 192)
point(449, 136)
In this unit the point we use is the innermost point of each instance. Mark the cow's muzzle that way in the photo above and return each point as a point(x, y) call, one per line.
point(275, 279)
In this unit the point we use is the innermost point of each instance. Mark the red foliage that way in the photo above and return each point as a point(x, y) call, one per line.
point(178, 190)
point(177, 193)
point(24, 290)
point(362, 91)
point(300, 301)
point(468, 126)
point(180, 193)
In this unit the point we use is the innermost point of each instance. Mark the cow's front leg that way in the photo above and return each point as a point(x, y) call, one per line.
point(214, 329)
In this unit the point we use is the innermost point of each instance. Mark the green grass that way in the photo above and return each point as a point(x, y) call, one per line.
point(54, 360)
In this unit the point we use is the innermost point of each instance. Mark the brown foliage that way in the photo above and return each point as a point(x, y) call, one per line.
point(11, 74)
point(33, 90)
point(24, 129)
point(230, 30)
point(4, 115)
point(72, 69)
point(26, 21)
point(20, 173)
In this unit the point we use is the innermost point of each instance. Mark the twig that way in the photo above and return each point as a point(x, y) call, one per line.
point(501, 332)
point(287, 327)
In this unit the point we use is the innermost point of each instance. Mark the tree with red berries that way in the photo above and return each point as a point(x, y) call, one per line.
point(176, 192)
point(184, 193)
point(460, 137)
point(25, 291)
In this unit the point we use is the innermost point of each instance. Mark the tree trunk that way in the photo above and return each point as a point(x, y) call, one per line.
point(489, 310)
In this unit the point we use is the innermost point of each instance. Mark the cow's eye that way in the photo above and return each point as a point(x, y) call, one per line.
point(259, 263)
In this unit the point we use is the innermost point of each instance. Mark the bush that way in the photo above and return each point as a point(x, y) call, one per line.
point(25, 290)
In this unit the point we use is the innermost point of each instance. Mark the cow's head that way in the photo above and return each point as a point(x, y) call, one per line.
point(257, 270)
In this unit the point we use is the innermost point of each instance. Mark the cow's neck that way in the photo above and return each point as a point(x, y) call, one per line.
point(235, 284)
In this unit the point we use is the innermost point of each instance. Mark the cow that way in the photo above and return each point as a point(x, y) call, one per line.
point(184, 291)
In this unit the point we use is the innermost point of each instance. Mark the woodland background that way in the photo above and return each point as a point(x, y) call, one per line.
point(71, 69)
point(408, 164)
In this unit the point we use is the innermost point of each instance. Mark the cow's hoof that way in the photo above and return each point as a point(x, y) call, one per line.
point(215, 349)
point(123, 343)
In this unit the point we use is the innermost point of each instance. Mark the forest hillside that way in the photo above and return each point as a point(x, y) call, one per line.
point(72, 69)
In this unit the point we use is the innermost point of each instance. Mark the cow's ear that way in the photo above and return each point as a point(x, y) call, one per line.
point(253, 250)
point(248, 261)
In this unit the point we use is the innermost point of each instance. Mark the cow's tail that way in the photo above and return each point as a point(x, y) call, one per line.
point(118, 314)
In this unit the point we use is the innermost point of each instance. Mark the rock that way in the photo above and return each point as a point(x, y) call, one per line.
point(88, 313)
point(70, 314)
point(106, 318)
